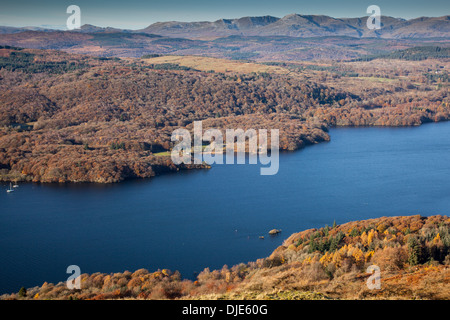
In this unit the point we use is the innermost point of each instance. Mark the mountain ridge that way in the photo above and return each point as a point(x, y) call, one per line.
point(294, 25)
point(297, 25)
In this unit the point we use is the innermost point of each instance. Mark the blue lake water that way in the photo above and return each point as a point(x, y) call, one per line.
point(191, 220)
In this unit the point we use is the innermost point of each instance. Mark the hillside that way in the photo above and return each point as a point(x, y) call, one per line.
point(412, 252)
point(412, 54)
point(77, 118)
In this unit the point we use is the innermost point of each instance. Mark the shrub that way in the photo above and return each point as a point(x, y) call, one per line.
point(415, 251)
point(390, 259)
point(22, 292)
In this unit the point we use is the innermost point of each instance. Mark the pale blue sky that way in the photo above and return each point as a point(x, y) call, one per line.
point(133, 14)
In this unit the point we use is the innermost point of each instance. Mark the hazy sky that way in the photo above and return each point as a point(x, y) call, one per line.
point(133, 14)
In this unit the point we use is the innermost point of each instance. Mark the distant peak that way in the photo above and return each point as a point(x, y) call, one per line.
point(291, 15)
point(87, 25)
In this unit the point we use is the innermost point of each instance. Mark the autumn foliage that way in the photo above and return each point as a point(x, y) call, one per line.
point(413, 254)
point(67, 117)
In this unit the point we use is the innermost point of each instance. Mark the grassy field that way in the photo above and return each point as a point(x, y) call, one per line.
point(217, 65)
point(168, 153)
point(162, 154)
point(376, 79)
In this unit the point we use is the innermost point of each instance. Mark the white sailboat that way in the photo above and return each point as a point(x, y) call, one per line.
point(10, 188)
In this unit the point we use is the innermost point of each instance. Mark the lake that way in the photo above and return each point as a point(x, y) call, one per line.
point(191, 220)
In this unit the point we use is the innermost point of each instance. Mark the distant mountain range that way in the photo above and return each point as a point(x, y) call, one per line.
point(267, 38)
point(11, 30)
point(87, 28)
point(293, 25)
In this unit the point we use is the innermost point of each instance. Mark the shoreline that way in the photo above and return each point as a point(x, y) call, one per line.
point(291, 256)
point(25, 179)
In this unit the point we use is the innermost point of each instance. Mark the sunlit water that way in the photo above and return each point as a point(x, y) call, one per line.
point(192, 220)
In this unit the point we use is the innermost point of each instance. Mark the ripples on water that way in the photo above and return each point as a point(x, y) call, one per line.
point(192, 220)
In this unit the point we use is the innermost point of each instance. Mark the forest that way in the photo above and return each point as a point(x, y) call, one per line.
point(412, 54)
point(69, 117)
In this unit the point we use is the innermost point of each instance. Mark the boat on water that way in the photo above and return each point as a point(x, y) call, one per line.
point(15, 185)
point(10, 188)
